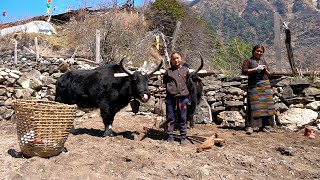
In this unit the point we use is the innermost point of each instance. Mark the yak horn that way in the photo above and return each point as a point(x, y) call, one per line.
point(201, 65)
point(124, 69)
point(159, 66)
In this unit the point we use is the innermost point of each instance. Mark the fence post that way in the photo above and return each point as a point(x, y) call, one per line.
point(37, 48)
point(277, 46)
point(15, 52)
point(290, 53)
point(97, 46)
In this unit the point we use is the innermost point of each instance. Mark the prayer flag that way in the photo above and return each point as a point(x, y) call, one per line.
point(158, 42)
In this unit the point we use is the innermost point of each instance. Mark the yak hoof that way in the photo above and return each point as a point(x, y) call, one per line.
point(108, 132)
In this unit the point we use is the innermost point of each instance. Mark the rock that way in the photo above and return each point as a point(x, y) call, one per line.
point(157, 83)
point(47, 80)
point(3, 109)
point(297, 118)
point(233, 103)
point(297, 106)
point(64, 66)
point(316, 82)
point(211, 99)
point(202, 113)
point(152, 88)
point(22, 94)
point(231, 119)
point(211, 87)
point(35, 84)
point(286, 151)
point(287, 92)
point(281, 107)
point(311, 91)
point(218, 109)
point(219, 96)
point(318, 123)
point(13, 75)
point(79, 113)
point(24, 82)
point(2, 79)
point(235, 91)
point(298, 85)
point(282, 82)
point(7, 115)
point(8, 102)
point(148, 106)
point(296, 100)
point(3, 91)
point(56, 75)
point(3, 73)
point(234, 83)
point(210, 93)
point(314, 105)
point(9, 82)
point(160, 108)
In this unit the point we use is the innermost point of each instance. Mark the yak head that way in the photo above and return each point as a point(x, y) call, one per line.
point(139, 82)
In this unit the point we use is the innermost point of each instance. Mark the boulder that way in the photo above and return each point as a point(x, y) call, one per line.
point(297, 118)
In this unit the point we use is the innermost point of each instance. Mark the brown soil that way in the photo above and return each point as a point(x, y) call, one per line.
point(132, 154)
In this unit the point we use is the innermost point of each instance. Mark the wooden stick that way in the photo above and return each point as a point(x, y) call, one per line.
point(86, 60)
point(191, 138)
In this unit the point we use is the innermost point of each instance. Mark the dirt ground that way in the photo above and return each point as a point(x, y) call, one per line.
point(132, 154)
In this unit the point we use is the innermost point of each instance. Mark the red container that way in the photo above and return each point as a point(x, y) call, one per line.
point(311, 132)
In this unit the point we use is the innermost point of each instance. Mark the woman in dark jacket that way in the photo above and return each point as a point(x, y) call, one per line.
point(260, 105)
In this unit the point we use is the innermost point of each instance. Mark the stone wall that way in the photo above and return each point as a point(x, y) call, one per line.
point(297, 100)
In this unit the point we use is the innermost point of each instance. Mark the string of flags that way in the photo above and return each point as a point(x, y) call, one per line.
point(49, 2)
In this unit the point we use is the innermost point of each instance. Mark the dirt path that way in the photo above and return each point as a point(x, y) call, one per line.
point(278, 155)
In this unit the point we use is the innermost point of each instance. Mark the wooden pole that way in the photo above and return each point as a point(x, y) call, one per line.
point(97, 46)
point(15, 52)
point(166, 54)
point(175, 36)
point(290, 53)
point(37, 48)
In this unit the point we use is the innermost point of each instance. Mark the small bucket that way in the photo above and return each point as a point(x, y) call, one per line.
point(310, 132)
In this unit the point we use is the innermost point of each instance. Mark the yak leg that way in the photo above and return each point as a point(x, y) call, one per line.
point(191, 110)
point(108, 116)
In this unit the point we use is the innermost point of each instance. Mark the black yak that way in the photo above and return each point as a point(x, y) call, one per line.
point(100, 88)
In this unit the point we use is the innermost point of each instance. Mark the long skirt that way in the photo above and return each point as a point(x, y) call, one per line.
point(260, 105)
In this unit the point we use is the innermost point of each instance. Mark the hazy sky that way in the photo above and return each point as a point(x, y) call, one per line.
point(25, 9)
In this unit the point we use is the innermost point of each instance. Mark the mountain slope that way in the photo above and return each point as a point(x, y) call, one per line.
point(253, 20)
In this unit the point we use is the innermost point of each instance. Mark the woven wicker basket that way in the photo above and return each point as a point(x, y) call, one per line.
point(43, 126)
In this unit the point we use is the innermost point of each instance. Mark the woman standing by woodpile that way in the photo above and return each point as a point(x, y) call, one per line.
point(260, 105)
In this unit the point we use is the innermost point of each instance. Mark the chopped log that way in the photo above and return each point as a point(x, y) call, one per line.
point(212, 140)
